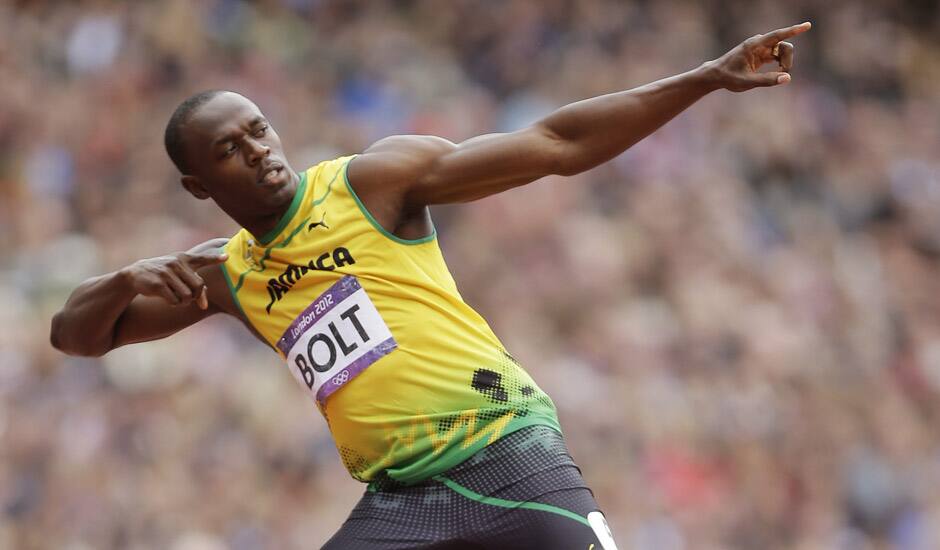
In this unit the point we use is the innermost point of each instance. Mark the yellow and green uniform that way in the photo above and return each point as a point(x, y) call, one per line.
point(411, 380)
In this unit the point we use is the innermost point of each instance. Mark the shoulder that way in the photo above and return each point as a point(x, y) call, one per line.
point(410, 144)
point(396, 163)
point(398, 155)
point(385, 174)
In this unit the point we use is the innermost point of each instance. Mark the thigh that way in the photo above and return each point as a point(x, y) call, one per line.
point(562, 519)
point(568, 519)
point(533, 494)
point(447, 516)
point(523, 491)
point(375, 534)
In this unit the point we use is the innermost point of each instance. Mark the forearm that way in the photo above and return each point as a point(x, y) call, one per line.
point(595, 130)
point(85, 326)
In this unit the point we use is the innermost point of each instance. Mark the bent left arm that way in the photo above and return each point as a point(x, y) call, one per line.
point(423, 170)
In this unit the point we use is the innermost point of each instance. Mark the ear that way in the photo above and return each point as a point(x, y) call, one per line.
point(195, 187)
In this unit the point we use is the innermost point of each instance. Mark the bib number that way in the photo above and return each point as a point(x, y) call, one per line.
point(338, 336)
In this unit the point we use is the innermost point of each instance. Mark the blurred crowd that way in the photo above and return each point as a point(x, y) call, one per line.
point(738, 319)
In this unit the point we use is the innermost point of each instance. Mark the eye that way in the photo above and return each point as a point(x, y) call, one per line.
point(230, 150)
point(260, 132)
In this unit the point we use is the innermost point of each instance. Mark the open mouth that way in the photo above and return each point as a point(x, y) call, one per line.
point(271, 175)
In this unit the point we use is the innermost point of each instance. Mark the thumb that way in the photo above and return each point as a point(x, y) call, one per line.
point(203, 300)
point(770, 79)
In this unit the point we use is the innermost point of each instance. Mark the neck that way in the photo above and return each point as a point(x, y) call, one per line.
point(260, 225)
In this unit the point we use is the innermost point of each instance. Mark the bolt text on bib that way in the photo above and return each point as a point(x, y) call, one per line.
point(324, 347)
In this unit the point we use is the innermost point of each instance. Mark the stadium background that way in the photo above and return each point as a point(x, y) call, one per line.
point(739, 319)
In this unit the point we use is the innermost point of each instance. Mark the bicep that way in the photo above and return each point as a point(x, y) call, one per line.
point(428, 170)
point(148, 318)
point(489, 164)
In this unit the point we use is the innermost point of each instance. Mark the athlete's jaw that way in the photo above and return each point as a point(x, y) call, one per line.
point(278, 190)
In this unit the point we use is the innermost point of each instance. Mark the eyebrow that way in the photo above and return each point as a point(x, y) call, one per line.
point(231, 135)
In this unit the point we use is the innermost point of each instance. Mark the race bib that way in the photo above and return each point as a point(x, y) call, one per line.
point(336, 338)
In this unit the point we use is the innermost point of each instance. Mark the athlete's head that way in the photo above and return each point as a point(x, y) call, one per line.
point(227, 151)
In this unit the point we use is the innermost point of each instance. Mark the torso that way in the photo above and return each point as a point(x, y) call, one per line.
point(410, 379)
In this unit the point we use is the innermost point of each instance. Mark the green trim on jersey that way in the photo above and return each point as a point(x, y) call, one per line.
point(285, 219)
point(493, 501)
point(375, 223)
point(267, 253)
point(329, 189)
point(233, 290)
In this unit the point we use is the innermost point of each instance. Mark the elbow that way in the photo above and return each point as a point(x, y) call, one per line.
point(567, 168)
point(562, 155)
point(570, 163)
point(55, 332)
point(572, 157)
point(60, 340)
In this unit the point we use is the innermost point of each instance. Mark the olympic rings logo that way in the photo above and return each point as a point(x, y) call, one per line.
point(341, 378)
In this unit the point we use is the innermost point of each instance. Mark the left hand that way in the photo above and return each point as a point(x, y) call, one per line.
point(738, 70)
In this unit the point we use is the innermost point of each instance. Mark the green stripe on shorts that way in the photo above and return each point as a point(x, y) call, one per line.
point(492, 501)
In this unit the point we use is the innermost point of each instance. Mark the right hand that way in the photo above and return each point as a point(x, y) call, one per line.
point(173, 277)
point(739, 69)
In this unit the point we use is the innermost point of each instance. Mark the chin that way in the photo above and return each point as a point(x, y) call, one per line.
point(280, 198)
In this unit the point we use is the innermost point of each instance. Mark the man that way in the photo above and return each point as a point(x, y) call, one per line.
point(337, 269)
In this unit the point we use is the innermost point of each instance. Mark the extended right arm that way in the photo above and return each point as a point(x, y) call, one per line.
point(149, 299)
point(406, 173)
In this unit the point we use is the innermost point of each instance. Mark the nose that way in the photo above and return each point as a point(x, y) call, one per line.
point(255, 151)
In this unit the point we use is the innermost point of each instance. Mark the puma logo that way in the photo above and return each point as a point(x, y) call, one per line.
point(319, 223)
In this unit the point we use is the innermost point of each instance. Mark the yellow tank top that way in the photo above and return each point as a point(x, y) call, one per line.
point(411, 380)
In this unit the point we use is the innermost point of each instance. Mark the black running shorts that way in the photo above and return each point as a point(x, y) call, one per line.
point(522, 492)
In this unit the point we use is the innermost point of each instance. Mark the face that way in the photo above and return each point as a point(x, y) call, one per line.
point(235, 157)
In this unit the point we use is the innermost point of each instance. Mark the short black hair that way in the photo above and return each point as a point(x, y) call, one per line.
point(173, 135)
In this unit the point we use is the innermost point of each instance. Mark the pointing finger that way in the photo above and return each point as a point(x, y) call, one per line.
point(218, 242)
point(196, 261)
point(783, 51)
point(212, 244)
point(773, 37)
